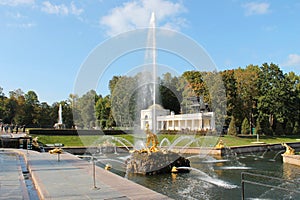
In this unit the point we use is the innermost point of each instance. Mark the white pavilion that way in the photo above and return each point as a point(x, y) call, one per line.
point(166, 120)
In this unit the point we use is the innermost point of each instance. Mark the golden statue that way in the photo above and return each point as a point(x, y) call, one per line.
point(56, 151)
point(151, 137)
point(220, 145)
point(35, 142)
point(288, 150)
point(108, 166)
point(174, 169)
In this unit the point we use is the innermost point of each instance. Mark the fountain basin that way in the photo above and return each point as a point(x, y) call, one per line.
point(155, 163)
point(291, 159)
point(257, 142)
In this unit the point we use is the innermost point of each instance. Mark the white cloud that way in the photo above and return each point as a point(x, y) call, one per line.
point(136, 14)
point(16, 2)
point(292, 61)
point(22, 25)
point(74, 10)
point(18, 20)
point(253, 8)
point(15, 15)
point(54, 9)
point(61, 9)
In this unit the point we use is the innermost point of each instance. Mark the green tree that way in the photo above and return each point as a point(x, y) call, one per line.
point(217, 99)
point(86, 107)
point(19, 117)
point(31, 108)
point(10, 107)
point(275, 104)
point(103, 111)
point(2, 109)
point(245, 126)
point(231, 95)
point(43, 115)
point(192, 84)
point(247, 81)
point(293, 106)
point(258, 129)
point(232, 127)
point(125, 102)
point(170, 97)
point(196, 82)
point(113, 82)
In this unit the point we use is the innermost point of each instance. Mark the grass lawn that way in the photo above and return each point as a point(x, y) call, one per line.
point(75, 140)
point(203, 141)
point(240, 141)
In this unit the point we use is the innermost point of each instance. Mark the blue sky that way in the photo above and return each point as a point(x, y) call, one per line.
point(44, 43)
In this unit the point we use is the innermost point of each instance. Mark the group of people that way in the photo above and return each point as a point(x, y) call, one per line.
point(11, 128)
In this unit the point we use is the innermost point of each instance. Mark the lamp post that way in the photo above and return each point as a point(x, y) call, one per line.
point(94, 173)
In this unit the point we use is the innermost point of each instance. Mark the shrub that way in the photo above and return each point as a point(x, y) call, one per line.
point(258, 129)
point(245, 126)
point(232, 127)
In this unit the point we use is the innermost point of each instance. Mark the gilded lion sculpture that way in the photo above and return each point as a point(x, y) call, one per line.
point(288, 150)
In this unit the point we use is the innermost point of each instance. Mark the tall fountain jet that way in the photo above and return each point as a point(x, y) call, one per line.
point(60, 120)
point(152, 41)
point(59, 124)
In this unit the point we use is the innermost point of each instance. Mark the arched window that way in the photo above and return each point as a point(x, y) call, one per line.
point(146, 117)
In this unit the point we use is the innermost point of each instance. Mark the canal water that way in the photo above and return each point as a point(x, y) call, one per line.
point(220, 177)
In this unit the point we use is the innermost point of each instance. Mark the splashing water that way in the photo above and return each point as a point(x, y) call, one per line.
point(274, 158)
point(235, 167)
point(109, 159)
point(188, 144)
point(123, 141)
point(180, 139)
point(139, 144)
point(165, 140)
point(120, 140)
point(205, 177)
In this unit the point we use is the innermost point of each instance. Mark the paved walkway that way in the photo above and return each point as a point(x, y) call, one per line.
point(71, 178)
point(12, 184)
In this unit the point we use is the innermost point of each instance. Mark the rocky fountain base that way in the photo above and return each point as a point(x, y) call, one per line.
point(156, 163)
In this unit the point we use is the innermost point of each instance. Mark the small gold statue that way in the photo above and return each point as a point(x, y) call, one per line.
point(289, 150)
point(108, 166)
point(174, 169)
point(56, 151)
point(151, 137)
point(220, 144)
point(35, 142)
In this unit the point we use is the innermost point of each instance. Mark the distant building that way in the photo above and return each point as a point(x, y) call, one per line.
point(166, 120)
point(147, 115)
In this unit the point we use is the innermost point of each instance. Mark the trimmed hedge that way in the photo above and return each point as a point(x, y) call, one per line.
point(81, 132)
point(74, 132)
point(187, 132)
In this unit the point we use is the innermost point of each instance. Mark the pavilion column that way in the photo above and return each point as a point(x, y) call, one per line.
point(212, 121)
point(193, 124)
point(201, 123)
